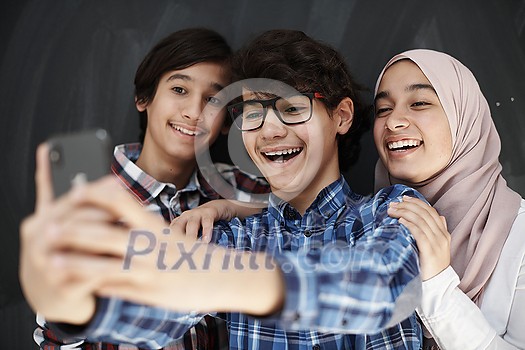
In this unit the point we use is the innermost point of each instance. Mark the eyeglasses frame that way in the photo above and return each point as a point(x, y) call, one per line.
point(272, 102)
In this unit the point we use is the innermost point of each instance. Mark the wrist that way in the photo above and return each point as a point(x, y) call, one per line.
point(79, 315)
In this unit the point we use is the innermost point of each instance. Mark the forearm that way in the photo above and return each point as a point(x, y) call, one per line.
point(353, 296)
point(304, 291)
point(178, 273)
point(453, 319)
point(243, 209)
point(80, 315)
point(228, 209)
point(236, 278)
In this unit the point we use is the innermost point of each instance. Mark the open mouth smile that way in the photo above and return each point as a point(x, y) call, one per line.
point(185, 131)
point(403, 145)
point(284, 155)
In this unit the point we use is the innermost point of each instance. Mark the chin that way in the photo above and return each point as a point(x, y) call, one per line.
point(408, 180)
point(287, 185)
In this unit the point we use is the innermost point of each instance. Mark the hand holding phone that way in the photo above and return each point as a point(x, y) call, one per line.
point(53, 291)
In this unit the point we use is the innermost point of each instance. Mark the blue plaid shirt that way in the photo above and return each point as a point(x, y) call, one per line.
point(348, 267)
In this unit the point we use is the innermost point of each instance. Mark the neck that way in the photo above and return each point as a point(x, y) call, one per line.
point(302, 200)
point(164, 168)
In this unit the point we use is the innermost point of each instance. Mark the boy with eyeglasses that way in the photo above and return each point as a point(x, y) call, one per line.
point(321, 267)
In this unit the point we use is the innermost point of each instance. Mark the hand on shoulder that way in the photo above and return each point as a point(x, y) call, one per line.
point(429, 230)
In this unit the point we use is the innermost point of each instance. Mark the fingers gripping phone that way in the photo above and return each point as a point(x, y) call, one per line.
point(79, 157)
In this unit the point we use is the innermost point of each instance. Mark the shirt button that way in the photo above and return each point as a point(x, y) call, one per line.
point(289, 214)
point(307, 233)
point(316, 347)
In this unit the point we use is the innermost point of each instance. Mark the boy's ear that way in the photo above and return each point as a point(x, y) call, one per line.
point(344, 112)
point(141, 105)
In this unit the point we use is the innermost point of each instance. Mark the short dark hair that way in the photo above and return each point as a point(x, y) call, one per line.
point(178, 50)
point(307, 65)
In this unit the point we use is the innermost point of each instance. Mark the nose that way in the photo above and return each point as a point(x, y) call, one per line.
point(396, 120)
point(272, 127)
point(192, 108)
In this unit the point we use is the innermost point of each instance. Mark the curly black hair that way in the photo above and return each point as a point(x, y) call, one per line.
point(307, 65)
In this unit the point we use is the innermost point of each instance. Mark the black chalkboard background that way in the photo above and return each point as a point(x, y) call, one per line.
point(69, 64)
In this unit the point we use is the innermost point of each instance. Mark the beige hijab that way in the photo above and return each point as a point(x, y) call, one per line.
point(470, 191)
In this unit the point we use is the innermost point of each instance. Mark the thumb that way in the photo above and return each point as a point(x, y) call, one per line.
point(44, 185)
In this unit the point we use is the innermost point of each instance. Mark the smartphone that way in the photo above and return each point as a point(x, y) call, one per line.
point(79, 157)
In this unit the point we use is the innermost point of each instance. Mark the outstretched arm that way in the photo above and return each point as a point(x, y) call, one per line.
point(142, 260)
point(375, 285)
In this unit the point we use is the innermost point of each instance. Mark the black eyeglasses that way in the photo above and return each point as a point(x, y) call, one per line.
point(250, 115)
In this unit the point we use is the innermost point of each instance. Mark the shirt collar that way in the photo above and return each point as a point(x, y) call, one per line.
point(204, 187)
point(327, 202)
point(145, 187)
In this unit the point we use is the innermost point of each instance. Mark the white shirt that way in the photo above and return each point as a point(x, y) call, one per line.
point(456, 322)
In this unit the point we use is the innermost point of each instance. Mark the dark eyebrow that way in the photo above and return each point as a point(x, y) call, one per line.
point(217, 86)
point(214, 85)
point(382, 94)
point(415, 87)
point(179, 76)
point(410, 88)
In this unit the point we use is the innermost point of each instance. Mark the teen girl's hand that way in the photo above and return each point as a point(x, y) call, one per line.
point(429, 230)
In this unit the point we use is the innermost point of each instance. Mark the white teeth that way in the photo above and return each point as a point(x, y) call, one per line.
point(184, 131)
point(403, 143)
point(281, 152)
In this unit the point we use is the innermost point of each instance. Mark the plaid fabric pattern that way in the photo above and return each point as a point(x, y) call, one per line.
point(166, 200)
point(351, 274)
point(348, 268)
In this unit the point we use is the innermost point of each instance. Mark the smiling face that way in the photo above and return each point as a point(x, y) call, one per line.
point(411, 129)
point(176, 121)
point(298, 160)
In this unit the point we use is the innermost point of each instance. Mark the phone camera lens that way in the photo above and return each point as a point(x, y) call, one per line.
point(101, 134)
point(54, 155)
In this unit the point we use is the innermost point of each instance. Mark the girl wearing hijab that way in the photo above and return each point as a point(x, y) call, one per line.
point(434, 132)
